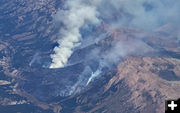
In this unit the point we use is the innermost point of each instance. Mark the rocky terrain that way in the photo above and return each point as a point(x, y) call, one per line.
point(139, 82)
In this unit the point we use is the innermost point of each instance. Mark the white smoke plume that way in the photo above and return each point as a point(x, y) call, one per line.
point(78, 14)
point(93, 75)
point(36, 58)
point(143, 14)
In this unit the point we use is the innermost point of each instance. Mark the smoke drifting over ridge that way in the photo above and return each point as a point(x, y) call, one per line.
point(146, 15)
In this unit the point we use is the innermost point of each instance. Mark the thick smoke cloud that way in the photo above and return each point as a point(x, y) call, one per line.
point(142, 14)
point(146, 15)
point(78, 14)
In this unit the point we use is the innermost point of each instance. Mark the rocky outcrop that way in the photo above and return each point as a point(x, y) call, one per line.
point(150, 80)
